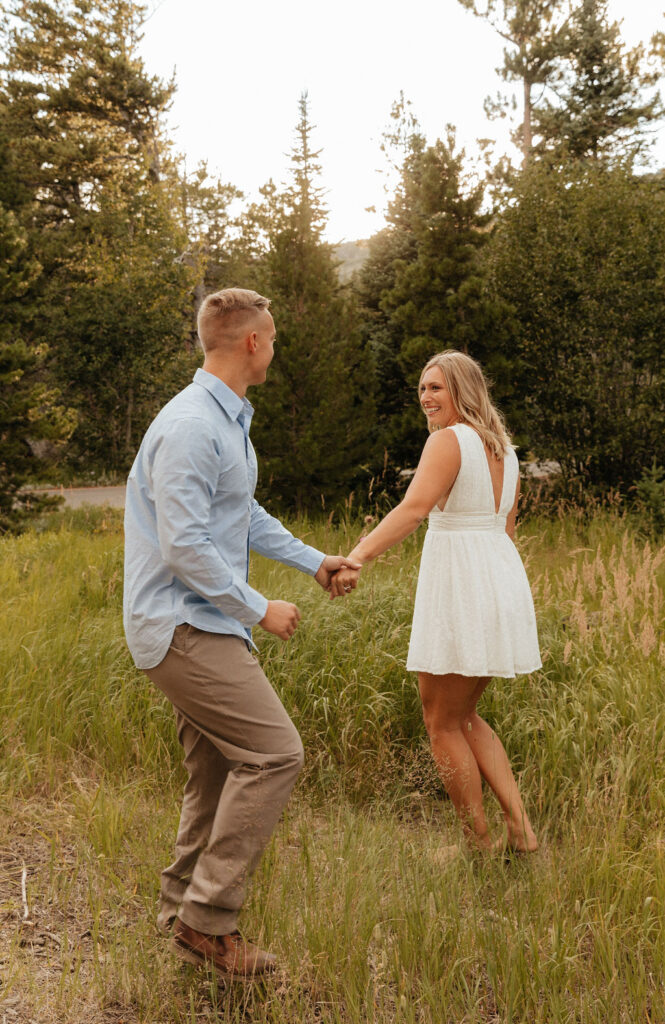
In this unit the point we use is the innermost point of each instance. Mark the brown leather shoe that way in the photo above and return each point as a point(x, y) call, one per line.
point(229, 955)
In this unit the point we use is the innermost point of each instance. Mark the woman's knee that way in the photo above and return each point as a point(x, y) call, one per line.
point(439, 719)
point(470, 720)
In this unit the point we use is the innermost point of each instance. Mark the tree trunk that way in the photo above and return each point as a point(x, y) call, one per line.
point(527, 137)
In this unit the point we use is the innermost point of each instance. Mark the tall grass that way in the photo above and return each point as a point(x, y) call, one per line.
point(71, 691)
point(367, 924)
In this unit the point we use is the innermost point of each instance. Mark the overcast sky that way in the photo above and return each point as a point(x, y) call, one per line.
point(240, 69)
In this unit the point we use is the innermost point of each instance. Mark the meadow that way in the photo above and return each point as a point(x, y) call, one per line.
point(367, 924)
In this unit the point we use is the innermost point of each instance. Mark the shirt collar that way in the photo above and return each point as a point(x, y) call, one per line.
point(234, 406)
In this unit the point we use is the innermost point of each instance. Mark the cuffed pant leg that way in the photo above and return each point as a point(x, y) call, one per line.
point(219, 689)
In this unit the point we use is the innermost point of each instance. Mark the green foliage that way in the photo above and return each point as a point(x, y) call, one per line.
point(422, 288)
point(581, 258)
point(118, 247)
point(650, 490)
point(599, 110)
point(534, 31)
point(591, 100)
point(31, 418)
point(79, 110)
point(314, 416)
point(120, 316)
point(91, 181)
point(221, 247)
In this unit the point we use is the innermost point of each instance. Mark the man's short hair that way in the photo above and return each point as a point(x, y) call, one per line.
point(224, 314)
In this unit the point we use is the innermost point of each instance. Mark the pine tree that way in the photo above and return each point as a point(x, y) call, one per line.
point(422, 289)
point(90, 178)
point(591, 99)
point(580, 256)
point(534, 31)
point(119, 320)
point(314, 415)
point(30, 411)
point(600, 109)
point(79, 109)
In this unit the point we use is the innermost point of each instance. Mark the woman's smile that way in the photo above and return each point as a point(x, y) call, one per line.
point(435, 398)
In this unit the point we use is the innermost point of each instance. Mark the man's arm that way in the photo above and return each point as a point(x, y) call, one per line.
point(267, 536)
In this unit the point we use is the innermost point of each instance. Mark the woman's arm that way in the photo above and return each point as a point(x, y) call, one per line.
point(511, 518)
point(436, 473)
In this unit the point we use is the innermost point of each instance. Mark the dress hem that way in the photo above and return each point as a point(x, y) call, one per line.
point(480, 674)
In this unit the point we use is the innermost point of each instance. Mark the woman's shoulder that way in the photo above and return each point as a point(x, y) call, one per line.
point(443, 444)
point(445, 437)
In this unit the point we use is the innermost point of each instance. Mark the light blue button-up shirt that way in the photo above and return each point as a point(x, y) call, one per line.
point(191, 520)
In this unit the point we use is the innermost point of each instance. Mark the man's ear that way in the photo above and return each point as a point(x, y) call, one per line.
point(251, 341)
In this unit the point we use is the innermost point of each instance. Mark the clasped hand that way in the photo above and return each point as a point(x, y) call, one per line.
point(329, 571)
point(343, 582)
point(336, 574)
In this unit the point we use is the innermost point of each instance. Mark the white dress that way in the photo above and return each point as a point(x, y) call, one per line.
point(474, 612)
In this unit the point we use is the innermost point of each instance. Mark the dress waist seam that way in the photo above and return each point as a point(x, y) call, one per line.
point(459, 522)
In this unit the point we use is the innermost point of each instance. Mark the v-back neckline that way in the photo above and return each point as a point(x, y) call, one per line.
point(495, 510)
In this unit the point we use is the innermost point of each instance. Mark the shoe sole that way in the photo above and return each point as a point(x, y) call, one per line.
point(200, 960)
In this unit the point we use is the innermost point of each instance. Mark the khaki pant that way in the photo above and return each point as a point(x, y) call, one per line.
point(242, 755)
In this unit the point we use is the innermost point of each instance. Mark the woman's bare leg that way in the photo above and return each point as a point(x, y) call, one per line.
point(495, 768)
point(453, 724)
point(446, 702)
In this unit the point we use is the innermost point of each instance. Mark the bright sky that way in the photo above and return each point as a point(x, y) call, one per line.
point(241, 67)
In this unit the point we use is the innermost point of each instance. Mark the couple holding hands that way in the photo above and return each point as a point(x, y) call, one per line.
point(190, 523)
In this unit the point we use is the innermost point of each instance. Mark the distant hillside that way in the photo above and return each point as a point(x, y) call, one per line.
point(351, 256)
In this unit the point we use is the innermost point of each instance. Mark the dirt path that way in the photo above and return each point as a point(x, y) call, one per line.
point(77, 496)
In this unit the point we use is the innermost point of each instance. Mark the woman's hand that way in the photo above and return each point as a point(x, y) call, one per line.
point(330, 565)
point(343, 582)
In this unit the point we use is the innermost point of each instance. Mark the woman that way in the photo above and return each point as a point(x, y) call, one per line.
point(473, 616)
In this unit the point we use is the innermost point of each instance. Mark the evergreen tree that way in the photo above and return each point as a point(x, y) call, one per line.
point(591, 98)
point(30, 413)
point(221, 247)
point(314, 416)
point(600, 109)
point(580, 255)
point(422, 289)
point(534, 31)
point(119, 318)
point(89, 176)
point(78, 108)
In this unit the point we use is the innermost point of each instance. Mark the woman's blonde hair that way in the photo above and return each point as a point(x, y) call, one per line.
point(470, 395)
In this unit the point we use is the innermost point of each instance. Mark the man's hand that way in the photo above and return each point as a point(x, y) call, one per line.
point(343, 582)
point(281, 618)
point(331, 564)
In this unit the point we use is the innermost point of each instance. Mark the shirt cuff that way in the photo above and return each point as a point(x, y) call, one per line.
point(258, 606)
point(312, 560)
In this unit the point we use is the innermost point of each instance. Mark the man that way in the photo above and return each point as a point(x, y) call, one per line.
point(190, 523)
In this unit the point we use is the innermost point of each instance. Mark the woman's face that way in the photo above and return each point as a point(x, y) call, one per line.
point(435, 399)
